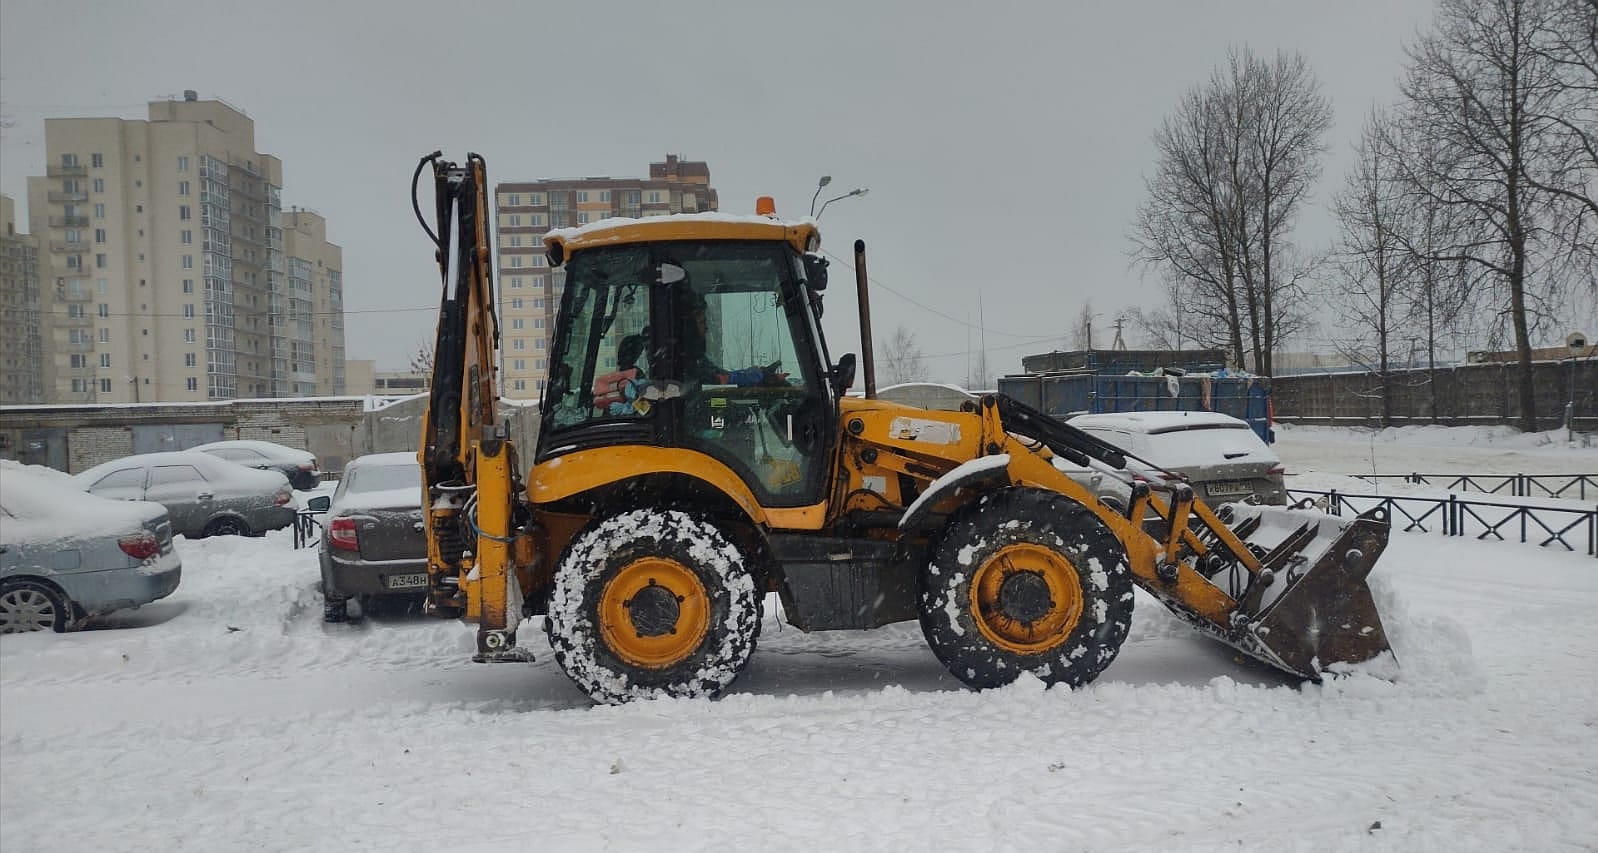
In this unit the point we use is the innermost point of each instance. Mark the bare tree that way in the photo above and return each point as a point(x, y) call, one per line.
point(422, 361)
point(1370, 261)
point(1082, 332)
point(901, 358)
point(1237, 161)
point(1489, 108)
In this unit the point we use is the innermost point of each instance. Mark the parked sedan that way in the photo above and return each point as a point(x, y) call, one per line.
point(297, 465)
point(374, 538)
point(66, 557)
point(206, 496)
point(1219, 455)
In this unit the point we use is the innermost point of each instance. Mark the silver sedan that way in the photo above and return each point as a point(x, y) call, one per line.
point(66, 557)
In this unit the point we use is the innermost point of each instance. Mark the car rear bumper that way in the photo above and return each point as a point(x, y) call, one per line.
point(101, 592)
point(375, 577)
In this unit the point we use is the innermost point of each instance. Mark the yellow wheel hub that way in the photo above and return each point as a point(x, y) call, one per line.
point(654, 613)
point(1026, 599)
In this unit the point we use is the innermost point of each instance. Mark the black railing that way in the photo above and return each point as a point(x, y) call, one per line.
point(1574, 529)
point(307, 529)
point(1569, 486)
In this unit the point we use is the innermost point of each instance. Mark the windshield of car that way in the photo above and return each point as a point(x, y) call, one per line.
point(381, 478)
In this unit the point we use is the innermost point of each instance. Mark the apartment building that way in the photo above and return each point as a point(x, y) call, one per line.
point(21, 344)
point(166, 275)
point(313, 310)
point(529, 292)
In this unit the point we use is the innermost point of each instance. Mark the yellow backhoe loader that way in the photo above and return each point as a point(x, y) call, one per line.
point(698, 450)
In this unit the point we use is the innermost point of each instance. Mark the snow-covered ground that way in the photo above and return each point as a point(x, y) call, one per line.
point(227, 717)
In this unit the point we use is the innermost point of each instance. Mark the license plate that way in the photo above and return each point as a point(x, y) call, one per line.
point(1230, 487)
point(407, 581)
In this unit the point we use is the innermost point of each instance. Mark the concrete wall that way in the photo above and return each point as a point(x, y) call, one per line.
point(1466, 394)
point(336, 429)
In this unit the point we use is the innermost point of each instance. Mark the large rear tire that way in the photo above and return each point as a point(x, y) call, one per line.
point(1026, 580)
point(650, 604)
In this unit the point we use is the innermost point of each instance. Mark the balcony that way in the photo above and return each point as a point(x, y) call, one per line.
point(77, 346)
point(60, 171)
point(59, 196)
point(68, 221)
point(66, 294)
point(63, 247)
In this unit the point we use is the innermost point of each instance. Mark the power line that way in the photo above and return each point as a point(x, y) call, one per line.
point(878, 283)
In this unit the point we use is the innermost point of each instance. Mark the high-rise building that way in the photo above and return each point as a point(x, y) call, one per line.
point(313, 339)
point(21, 344)
point(166, 251)
point(529, 292)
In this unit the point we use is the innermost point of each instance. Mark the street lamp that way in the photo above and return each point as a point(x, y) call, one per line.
point(825, 179)
point(1577, 342)
point(854, 192)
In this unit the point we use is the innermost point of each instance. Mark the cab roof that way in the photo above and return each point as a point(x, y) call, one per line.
point(802, 235)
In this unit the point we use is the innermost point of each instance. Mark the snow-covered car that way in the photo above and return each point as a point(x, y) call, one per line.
point(374, 539)
point(66, 557)
point(206, 496)
point(1219, 455)
point(297, 465)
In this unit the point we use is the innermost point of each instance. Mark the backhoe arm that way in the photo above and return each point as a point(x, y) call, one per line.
point(465, 459)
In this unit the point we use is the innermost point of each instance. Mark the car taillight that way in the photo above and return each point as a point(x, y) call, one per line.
point(1279, 469)
point(140, 546)
point(341, 535)
point(282, 497)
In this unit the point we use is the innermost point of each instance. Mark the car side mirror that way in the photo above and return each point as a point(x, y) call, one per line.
point(816, 272)
point(320, 503)
point(843, 374)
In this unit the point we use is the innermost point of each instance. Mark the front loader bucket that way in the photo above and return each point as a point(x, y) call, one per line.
point(1317, 611)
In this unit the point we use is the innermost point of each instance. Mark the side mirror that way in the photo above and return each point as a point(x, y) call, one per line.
point(843, 374)
point(320, 503)
point(816, 272)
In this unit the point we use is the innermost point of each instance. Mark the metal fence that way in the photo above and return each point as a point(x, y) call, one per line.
point(1572, 529)
point(1571, 486)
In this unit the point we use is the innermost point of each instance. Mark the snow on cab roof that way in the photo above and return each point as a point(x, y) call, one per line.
point(1155, 422)
point(802, 234)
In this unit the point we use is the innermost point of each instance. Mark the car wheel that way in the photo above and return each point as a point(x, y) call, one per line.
point(33, 606)
point(226, 525)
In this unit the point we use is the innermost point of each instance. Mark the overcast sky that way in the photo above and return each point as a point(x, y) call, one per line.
point(1004, 144)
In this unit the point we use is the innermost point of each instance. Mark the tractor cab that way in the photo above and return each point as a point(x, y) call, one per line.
point(698, 333)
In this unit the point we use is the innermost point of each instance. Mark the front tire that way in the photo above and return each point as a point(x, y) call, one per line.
point(1026, 580)
point(27, 605)
point(650, 604)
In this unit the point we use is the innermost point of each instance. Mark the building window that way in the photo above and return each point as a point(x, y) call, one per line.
point(516, 303)
point(541, 364)
point(186, 236)
point(184, 212)
point(190, 359)
point(516, 281)
point(582, 217)
point(99, 260)
point(188, 262)
point(520, 385)
point(515, 201)
point(538, 322)
point(536, 199)
point(78, 361)
point(519, 364)
point(194, 384)
point(188, 336)
point(97, 161)
point(105, 359)
point(516, 322)
point(105, 336)
point(516, 261)
point(102, 310)
point(536, 220)
point(99, 236)
point(582, 196)
point(99, 185)
point(183, 187)
point(518, 343)
point(188, 285)
point(188, 310)
point(538, 302)
point(654, 197)
point(99, 211)
point(515, 221)
point(538, 344)
point(183, 164)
